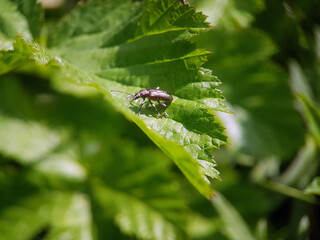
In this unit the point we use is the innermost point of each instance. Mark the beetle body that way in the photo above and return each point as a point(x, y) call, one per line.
point(152, 95)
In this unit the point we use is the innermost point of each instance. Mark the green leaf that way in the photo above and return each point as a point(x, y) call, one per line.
point(147, 207)
point(200, 227)
point(231, 14)
point(22, 136)
point(302, 89)
point(154, 51)
point(312, 113)
point(314, 187)
point(147, 45)
point(235, 227)
point(12, 22)
point(32, 211)
point(23, 52)
point(71, 217)
point(289, 191)
point(62, 165)
point(303, 167)
point(265, 122)
point(52, 213)
point(134, 216)
point(33, 12)
point(261, 232)
point(5, 42)
point(16, 140)
point(27, 217)
point(29, 139)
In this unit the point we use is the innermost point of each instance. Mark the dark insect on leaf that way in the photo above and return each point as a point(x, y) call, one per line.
point(151, 94)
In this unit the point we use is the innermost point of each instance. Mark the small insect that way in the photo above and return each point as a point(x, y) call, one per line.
point(151, 94)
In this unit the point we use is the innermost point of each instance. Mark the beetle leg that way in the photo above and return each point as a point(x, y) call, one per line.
point(144, 100)
point(154, 106)
point(165, 107)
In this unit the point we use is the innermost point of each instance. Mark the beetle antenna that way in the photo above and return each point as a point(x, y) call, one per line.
point(121, 92)
point(130, 95)
point(128, 98)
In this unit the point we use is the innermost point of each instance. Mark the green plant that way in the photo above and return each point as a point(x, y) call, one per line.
point(77, 163)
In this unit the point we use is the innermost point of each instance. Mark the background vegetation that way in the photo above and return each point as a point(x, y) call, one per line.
point(77, 163)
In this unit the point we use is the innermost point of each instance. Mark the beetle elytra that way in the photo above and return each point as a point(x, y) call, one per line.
point(151, 94)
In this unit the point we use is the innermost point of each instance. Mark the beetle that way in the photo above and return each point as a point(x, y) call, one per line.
point(151, 94)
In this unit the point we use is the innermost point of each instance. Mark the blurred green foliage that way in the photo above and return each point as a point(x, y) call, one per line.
point(73, 167)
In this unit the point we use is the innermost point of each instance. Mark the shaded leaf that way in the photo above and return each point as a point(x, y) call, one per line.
point(52, 214)
point(147, 207)
point(28, 217)
point(265, 122)
point(310, 110)
point(261, 232)
point(303, 168)
point(136, 217)
point(231, 14)
point(235, 227)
